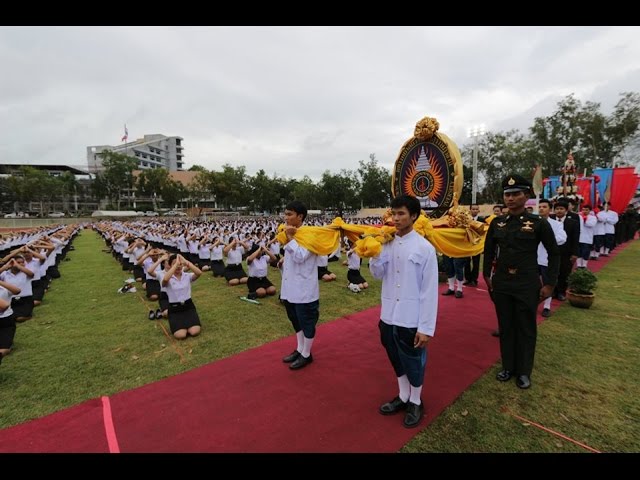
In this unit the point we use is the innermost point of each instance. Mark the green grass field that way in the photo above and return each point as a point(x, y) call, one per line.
point(86, 340)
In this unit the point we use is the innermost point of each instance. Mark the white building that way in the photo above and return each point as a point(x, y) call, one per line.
point(151, 151)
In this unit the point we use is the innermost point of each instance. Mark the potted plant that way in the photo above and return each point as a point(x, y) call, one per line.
point(581, 284)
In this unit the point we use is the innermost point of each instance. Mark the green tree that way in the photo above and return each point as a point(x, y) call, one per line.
point(264, 193)
point(116, 177)
point(307, 192)
point(152, 183)
point(68, 188)
point(339, 191)
point(375, 190)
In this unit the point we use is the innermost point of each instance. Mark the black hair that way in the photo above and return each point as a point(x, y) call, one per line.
point(545, 200)
point(412, 204)
point(298, 207)
point(562, 203)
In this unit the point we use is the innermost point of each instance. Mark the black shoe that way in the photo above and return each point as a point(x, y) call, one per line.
point(459, 294)
point(561, 297)
point(523, 381)
point(394, 406)
point(546, 312)
point(152, 315)
point(301, 362)
point(414, 415)
point(292, 357)
point(504, 375)
point(158, 314)
point(449, 292)
point(496, 333)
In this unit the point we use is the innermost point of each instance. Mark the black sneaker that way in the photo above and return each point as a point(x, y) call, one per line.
point(158, 314)
point(152, 315)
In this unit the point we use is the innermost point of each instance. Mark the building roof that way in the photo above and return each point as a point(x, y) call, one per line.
point(76, 170)
point(183, 176)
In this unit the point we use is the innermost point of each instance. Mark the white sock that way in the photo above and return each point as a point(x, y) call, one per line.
point(404, 387)
point(300, 338)
point(579, 262)
point(306, 350)
point(415, 395)
point(459, 284)
point(584, 263)
point(451, 284)
point(606, 251)
point(602, 250)
point(547, 303)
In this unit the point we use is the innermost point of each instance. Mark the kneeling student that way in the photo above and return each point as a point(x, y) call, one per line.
point(258, 262)
point(183, 316)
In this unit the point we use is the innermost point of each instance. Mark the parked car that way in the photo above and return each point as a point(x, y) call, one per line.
point(56, 215)
point(174, 213)
point(16, 215)
point(150, 213)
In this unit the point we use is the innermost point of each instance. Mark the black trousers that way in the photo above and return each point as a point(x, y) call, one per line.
point(472, 268)
point(518, 329)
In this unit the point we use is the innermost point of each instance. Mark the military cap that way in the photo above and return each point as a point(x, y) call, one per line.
point(515, 183)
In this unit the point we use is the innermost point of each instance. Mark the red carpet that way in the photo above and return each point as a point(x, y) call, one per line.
point(252, 402)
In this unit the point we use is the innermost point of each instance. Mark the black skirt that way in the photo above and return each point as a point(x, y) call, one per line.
point(254, 283)
point(354, 277)
point(322, 271)
point(153, 287)
point(22, 307)
point(183, 316)
point(217, 267)
point(7, 331)
point(234, 271)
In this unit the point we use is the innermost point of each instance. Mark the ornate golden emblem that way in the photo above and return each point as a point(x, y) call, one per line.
point(527, 226)
point(511, 181)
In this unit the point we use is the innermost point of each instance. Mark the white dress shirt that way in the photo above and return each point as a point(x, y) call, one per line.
point(299, 275)
point(408, 267)
point(561, 239)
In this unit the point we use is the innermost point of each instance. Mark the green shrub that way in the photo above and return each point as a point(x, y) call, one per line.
point(582, 281)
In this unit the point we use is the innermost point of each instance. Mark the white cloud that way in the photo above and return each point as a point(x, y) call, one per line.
point(292, 100)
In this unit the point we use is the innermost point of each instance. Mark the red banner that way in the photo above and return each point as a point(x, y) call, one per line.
point(584, 185)
point(623, 188)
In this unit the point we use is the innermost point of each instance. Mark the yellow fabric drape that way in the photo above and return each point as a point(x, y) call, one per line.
point(453, 242)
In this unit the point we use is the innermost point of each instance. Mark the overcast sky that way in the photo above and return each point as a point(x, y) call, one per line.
point(292, 100)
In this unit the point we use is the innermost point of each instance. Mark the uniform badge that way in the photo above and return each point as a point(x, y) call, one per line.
point(501, 224)
point(511, 181)
point(527, 226)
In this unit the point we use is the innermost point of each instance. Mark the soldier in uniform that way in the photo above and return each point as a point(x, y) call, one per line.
point(515, 287)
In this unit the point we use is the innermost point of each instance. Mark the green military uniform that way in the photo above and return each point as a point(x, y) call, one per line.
point(513, 242)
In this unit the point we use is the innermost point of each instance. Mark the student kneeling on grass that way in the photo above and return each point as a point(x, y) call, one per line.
point(7, 318)
point(258, 262)
point(183, 317)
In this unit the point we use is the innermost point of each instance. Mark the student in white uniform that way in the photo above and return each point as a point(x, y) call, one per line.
point(7, 319)
point(588, 222)
point(15, 273)
point(258, 262)
point(183, 316)
point(323, 269)
point(233, 272)
point(408, 267)
point(300, 291)
point(353, 274)
point(544, 210)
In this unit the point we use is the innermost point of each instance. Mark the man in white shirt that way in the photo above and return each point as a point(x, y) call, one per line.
point(544, 209)
point(300, 292)
point(408, 267)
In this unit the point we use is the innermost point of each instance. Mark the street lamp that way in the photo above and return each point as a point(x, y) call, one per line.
point(475, 132)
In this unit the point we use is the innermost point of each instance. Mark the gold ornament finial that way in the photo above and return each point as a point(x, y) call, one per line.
point(426, 128)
